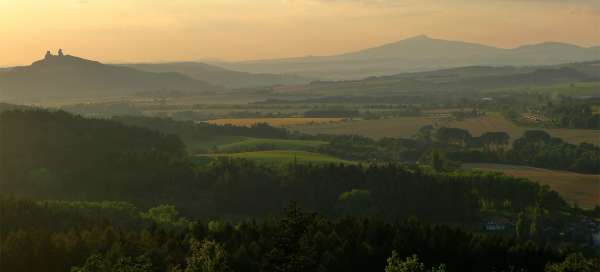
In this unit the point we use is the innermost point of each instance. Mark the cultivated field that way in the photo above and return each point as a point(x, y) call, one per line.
point(496, 122)
point(281, 156)
point(405, 127)
point(280, 122)
point(401, 127)
point(577, 188)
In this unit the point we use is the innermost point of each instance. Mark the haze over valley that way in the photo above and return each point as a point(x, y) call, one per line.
point(305, 135)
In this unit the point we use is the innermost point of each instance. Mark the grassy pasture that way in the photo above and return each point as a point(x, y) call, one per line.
point(583, 189)
point(292, 121)
point(281, 156)
point(271, 144)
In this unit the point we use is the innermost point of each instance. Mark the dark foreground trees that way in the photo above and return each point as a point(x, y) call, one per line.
point(296, 240)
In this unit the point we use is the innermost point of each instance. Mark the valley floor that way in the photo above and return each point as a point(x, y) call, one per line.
point(406, 127)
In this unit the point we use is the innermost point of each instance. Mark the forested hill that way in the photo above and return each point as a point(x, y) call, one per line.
point(67, 76)
point(196, 135)
point(469, 79)
point(59, 155)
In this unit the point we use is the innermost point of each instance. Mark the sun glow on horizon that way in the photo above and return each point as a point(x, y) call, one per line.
point(143, 31)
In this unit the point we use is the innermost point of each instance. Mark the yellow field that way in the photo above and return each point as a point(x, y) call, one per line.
point(582, 189)
point(279, 122)
point(406, 127)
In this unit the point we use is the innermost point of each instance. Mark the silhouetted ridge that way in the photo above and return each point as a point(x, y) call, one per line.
point(63, 76)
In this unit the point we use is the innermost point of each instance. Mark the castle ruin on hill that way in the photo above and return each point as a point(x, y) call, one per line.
point(49, 54)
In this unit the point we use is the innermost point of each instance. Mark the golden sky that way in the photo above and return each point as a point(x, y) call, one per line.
point(168, 30)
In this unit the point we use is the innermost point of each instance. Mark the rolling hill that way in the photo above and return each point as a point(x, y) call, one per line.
point(220, 76)
point(462, 79)
point(420, 53)
point(68, 76)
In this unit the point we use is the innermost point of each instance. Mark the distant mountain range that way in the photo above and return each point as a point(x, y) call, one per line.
point(69, 76)
point(416, 54)
point(221, 76)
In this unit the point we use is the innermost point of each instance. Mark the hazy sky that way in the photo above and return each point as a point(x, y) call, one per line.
point(161, 30)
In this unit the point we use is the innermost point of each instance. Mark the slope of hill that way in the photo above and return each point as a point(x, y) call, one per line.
point(69, 76)
point(220, 76)
point(574, 187)
point(8, 107)
point(419, 53)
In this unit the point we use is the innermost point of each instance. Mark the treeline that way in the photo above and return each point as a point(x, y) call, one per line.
point(332, 112)
point(196, 132)
point(354, 147)
point(572, 114)
point(296, 240)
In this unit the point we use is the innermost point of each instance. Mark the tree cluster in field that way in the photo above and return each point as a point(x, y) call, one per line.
point(535, 148)
point(106, 237)
point(549, 112)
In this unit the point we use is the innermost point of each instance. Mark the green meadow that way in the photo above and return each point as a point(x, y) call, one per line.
point(278, 156)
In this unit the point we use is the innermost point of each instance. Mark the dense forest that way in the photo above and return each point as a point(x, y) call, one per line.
point(58, 155)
